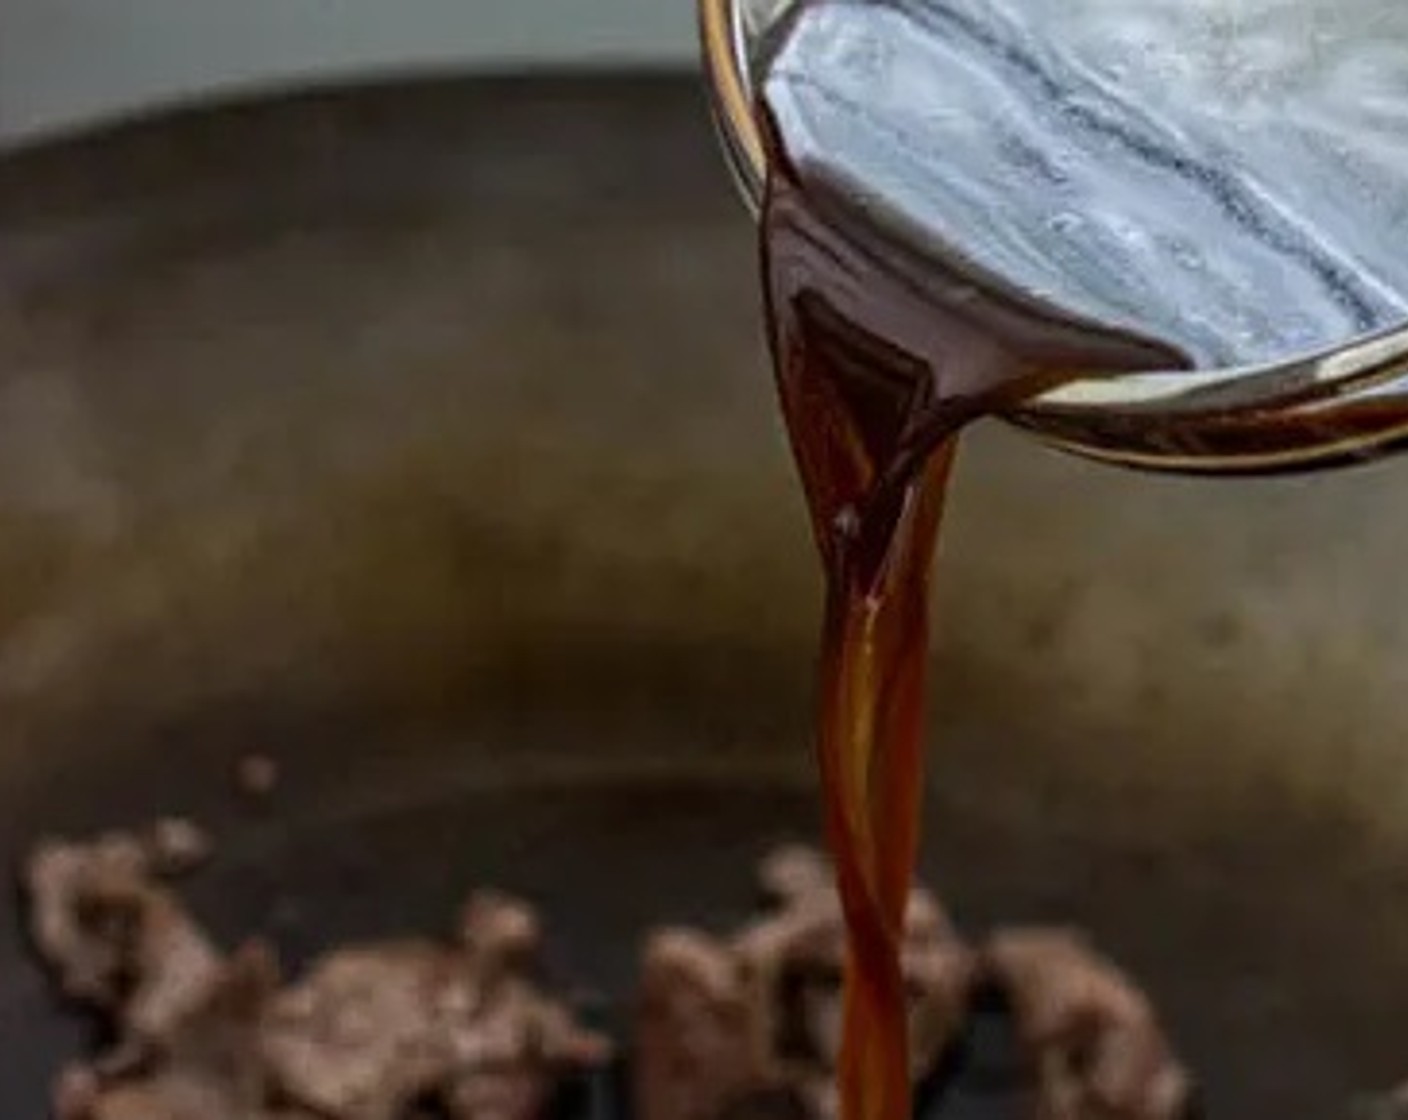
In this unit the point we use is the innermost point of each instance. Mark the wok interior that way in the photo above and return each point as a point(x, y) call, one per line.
point(421, 437)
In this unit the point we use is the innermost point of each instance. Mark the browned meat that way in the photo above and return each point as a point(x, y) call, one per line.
point(695, 1041)
point(507, 1058)
point(367, 1035)
point(85, 957)
point(356, 1039)
point(742, 1027)
point(208, 1067)
point(1091, 1036)
point(753, 1022)
point(372, 1029)
point(115, 937)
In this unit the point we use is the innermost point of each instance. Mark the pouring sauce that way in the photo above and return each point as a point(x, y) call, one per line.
point(876, 377)
point(971, 201)
point(883, 350)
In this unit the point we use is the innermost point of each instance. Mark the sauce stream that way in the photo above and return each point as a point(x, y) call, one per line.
point(877, 374)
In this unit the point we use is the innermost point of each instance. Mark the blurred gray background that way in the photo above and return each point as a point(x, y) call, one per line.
point(68, 63)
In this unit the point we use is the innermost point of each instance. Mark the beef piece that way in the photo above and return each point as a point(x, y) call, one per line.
point(510, 1058)
point(208, 1068)
point(116, 938)
point(373, 1029)
point(221, 1038)
point(171, 965)
point(84, 951)
point(1092, 1039)
point(356, 1039)
point(752, 1023)
point(369, 1034)
point(696, 1035)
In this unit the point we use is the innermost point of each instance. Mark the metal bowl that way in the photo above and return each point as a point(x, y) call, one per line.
point(1295, 412)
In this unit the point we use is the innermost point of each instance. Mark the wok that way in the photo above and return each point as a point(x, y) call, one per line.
point(420, 436)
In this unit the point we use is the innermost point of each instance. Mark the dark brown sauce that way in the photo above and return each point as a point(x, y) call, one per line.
point(879, 365)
